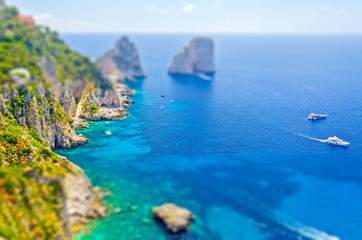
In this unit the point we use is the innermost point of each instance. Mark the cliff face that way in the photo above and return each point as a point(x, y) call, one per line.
point(197, 57)
point(122, 63)
point(43, 195)
point(44, 114)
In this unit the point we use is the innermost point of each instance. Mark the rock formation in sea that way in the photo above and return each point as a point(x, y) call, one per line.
point(176, 219)
point(196, 58)
point(122, 63)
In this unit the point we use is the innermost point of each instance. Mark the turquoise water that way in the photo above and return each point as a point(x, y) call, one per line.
point(234, 150)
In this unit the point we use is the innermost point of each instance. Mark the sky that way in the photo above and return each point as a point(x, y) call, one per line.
point(196, 16)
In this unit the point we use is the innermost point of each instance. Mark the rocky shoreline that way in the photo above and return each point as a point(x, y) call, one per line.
point(43, 99)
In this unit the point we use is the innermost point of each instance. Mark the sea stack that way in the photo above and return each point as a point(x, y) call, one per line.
point(122, 63)
point(196, 58)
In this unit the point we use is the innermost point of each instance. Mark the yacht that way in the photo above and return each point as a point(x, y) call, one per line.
point(108, 132)
point(315, 116)
point(336, 141)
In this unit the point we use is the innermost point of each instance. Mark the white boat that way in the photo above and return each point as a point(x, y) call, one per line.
point(315, 116)
point(108, 132)
point(336, 141)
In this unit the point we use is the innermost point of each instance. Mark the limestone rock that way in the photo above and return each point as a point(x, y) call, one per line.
point(122, 63)
point(80, 123)
point(196, 58)
point(44, 114)
point(176, 219)
point(3, 110)
point(105, 104)
point(83, 201)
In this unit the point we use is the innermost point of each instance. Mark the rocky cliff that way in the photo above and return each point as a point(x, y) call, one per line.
point(43, 113)
point(122, 63)
point(43, 195)
point(196, 58)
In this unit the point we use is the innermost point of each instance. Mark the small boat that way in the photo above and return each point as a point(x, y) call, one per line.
point(107, 122)
point(162, 107)
point(163, 95)
point(108, 132)
point(172, 100)
point(315, 116)
point(336, 141)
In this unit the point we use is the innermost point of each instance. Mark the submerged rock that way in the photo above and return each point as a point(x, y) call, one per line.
point(196, 58)
point(122, 63)
point(175, 219)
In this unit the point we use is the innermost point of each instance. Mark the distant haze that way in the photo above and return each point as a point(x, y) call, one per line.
point(197, 16)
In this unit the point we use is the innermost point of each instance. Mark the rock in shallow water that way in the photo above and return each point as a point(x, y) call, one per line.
point(196, 58)
point(176, 219)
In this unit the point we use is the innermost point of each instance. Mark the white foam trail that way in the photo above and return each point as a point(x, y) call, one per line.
point(205, 77)
point(315, 139)
point(282, 219)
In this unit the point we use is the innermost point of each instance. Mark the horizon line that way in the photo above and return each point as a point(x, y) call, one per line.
point(219, 33)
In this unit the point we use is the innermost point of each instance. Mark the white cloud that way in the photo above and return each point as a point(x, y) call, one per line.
point(227, 21)
point(312, 15)
point(188, 8)
point(342, 10)
point(43, 16)
point(150, 8)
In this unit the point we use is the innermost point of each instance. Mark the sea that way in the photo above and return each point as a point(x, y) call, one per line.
point(237, 149)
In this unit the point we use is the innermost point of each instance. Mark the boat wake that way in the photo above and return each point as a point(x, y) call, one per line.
point(282, 219)
point(204, 77)
point(315, 139)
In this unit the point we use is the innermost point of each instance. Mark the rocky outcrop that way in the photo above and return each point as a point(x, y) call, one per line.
point(122, 63)
point(80, 123)
point(83, 201)
point(196, 58)
point(105, 104)
point(175, 219)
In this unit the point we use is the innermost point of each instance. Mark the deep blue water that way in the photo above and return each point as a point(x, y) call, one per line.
point(234, 150)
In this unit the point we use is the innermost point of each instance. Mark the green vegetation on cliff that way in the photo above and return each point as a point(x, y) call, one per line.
point(22, 46)
point(30, 184)
point(32, 193)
